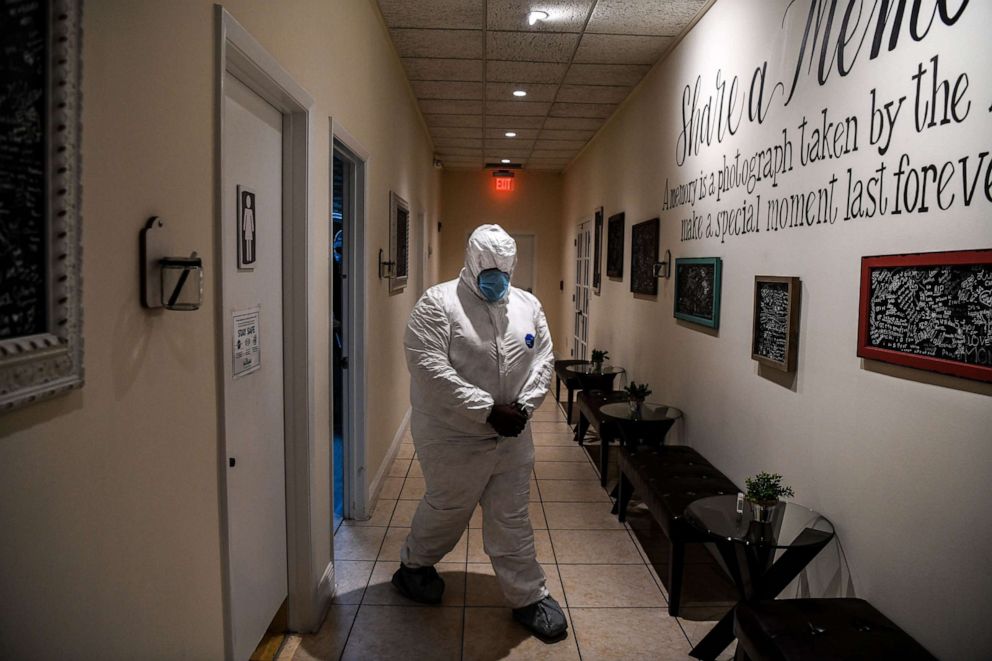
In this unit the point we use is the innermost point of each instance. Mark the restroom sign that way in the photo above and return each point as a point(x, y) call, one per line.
point(247, 234)
point(247, 343)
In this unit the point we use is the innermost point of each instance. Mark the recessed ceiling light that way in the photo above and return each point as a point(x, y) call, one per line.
point(519, 93)
point(510, 134)
point(504, 160)
point(536, 16)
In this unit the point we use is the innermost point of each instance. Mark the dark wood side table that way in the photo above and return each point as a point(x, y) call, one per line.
point(649, 423)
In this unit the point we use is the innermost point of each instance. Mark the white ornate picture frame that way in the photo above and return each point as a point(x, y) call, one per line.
point(49, 359)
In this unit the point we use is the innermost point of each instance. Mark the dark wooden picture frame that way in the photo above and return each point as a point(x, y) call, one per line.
point(41, 337)
point(399, 242)
point(615, 228)
point(697, 290)
point(597, 253)
point(929, 311)
point(644, 239)
point(775, 330)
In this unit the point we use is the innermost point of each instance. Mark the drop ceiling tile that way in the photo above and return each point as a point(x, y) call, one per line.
point(425, 68)
point(443, 144)
point(455, 152)
point(621, 49)
point(545, 154)
point(456, 132)
point(525, 72)
point(494, 155)
point(497, 132)
point(554, 166)
point(563, 15)
point(509, 145)
point(559, 144)
point(453, 120)
point(443, 107)
point(466, 165)
point(515, 121)
point(655, 17)
point(438, 43)
point(551, 134)
point(606, 74)
point(433, 13)
point(529, 108)
point(435, 89)
point(530, 46)
point(573, 123)
point(535, 91)
point(592, 93)
point(599, 110)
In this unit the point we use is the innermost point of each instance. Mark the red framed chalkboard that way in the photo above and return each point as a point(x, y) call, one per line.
point(931, 311)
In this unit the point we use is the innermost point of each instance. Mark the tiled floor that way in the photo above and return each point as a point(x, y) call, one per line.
point(598, 569)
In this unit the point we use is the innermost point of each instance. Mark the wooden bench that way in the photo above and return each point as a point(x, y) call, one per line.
point(667, 478)
point(815, 629)
point(590, 401)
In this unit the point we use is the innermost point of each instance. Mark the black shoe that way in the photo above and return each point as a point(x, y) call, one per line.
point(544, 619)
point(421, 584)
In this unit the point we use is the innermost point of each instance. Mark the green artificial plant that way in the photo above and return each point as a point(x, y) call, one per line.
point(767, 487)
point(638, 392)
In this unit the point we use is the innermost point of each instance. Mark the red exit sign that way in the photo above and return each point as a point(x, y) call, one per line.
point(504, 184)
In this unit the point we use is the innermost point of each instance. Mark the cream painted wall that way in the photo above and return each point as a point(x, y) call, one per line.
point(898, 459)
point(109, 496)
point(469, 200)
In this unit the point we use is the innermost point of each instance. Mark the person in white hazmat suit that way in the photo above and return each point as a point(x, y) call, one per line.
point(480, 359)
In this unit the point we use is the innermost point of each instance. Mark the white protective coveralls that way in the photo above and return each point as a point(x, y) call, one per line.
point(466, 354)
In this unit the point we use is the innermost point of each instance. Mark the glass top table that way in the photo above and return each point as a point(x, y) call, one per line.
point(589, 368)
point(649, 412)
point(791, 525)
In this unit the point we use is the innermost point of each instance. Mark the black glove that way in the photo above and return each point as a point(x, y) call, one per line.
point(507, 420)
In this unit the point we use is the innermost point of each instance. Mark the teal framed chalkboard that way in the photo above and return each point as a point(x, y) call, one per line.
point(40, 309)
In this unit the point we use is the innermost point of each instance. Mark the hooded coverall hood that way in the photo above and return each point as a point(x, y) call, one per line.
point(489, 247)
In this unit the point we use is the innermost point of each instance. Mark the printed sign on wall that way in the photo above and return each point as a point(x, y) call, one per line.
point(247, 344)
point(247, 233)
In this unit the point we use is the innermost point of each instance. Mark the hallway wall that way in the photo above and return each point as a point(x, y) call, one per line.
point(109, 495)
point(469, 199)
point(897, 458)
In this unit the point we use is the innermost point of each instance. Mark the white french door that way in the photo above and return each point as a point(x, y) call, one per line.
point(583, 282)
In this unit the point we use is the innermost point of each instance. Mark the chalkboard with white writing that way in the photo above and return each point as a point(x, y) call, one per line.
point(776, 321)
point(23, 167)
point(932, 311)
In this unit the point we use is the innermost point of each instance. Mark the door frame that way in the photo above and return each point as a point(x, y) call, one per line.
point(356, 475)
point(577, 302)
point(310, 580)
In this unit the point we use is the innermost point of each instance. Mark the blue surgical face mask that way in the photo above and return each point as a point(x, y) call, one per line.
point(494, 284)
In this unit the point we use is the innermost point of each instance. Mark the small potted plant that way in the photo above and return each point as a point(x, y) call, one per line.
point(764, 492)
point(636, 394)
point(598, 357)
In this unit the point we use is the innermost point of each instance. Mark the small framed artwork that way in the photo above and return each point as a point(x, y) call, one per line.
point(931, 311)
point(614, 246)
point(775, 331)
point(597, 253)
point(643, 256)
point(247, 231)
point(41, 324)
point(697, 290)
point(399, 242)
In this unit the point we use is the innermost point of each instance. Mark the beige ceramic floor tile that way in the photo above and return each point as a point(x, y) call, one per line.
point(537, 519)
point(534, 494)
point(548, 415)
point(358, 542)
point(561, 453)
point(491, 634)
point(544, 427)
point(329, 641)
point(696, 630)
point(381, 514)
point(559, 438)
point(542, 546)
point(406, 451)
point(413, 489)
point(610, 586)
point(405, 633)
point(483, 589)
point(381, 592)
point(391, 487)
point(415, 469)
point(403, 514)
point(571, 491)
point(396, 536)
point(399, 467)
point(564, 470)
point(590, 547)
point(476, 520)
point(350, 578)
point(581, 516)
point(631, 634)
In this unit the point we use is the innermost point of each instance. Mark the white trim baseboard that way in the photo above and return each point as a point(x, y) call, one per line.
point(375, 486)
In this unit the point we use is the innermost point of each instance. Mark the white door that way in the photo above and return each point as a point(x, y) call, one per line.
point(523, 275)
point(253, 415)
point(583, 275)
